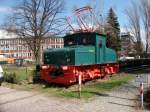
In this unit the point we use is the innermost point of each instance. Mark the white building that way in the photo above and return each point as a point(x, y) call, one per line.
point(14, 46)
point(127, 45)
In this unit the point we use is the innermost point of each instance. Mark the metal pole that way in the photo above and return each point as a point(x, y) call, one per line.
point(141, 92)
point(26, 73)
point(80, 82)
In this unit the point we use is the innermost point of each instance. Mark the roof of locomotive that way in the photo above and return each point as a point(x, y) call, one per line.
point(84, 33)
point(57, 49)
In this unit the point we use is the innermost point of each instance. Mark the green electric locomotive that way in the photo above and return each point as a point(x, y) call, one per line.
point(83, 54)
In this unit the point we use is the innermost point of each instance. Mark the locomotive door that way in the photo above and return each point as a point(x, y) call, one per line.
point(100, 45)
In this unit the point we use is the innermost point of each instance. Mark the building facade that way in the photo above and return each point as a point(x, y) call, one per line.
point(17, 48)
point(127, 45)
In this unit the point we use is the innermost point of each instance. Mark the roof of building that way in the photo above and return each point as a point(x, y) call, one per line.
point(6, 35)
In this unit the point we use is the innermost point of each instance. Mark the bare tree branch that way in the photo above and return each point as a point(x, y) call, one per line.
point(145, 12)
point(36, 19)
point(135, 26)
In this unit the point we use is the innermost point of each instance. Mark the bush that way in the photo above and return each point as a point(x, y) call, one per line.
point(31, 75)
point(11, 77)
point(36, 77)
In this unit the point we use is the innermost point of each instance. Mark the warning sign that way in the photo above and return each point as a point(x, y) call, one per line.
point(142, 78)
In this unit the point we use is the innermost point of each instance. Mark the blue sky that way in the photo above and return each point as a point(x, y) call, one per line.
point(103, 5)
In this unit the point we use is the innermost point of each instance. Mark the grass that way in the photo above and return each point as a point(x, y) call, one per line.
point(22, 73)
point(89, 89)
point(98, 88)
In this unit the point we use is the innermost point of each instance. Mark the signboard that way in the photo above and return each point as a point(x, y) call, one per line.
point(142, 78)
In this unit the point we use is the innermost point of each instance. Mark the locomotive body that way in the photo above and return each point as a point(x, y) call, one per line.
point(83, 54)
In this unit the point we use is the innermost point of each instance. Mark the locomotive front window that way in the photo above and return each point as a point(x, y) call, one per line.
point(82, 39)
point(70, 43)
point(58, 58)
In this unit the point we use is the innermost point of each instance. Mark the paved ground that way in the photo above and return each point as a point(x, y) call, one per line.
point(22, 101)
point(122, 99)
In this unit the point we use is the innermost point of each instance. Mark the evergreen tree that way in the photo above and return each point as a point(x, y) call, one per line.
point(112, 30)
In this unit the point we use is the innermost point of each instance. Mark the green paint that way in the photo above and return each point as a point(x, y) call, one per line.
point(81, 49)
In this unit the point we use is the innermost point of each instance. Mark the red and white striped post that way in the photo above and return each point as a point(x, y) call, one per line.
point(141, 94)
point(80, 82)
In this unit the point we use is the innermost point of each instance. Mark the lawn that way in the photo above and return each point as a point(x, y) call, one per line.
point(89, 89)
point(21, 73)
point(99, 87)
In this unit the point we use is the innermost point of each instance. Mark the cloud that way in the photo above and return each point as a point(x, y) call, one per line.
point(5, 35)
point(6, 9)
point(123, 29)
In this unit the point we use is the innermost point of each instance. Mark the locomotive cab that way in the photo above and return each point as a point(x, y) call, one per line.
point(91, 43)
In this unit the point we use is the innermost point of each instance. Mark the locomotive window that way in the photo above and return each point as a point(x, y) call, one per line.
point(80, 39)
point(70, 43)
point(100, 43)
point(84, 41)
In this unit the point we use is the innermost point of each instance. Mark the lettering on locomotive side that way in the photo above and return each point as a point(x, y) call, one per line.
point(91, 51)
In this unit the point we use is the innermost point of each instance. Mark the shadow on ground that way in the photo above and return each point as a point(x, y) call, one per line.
point(147, 99)
point(121, 104)
point(108, 95)
point(97, 93)
point(17, 99)
point(122, 98)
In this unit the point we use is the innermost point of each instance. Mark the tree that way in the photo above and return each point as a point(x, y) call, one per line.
point(112, 29)
point(145, 12)
point(135, 26)
point(36, 19)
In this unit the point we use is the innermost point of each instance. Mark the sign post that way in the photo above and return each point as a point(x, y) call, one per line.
point(141, 93)
point(143, 78)
point(79, 82)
